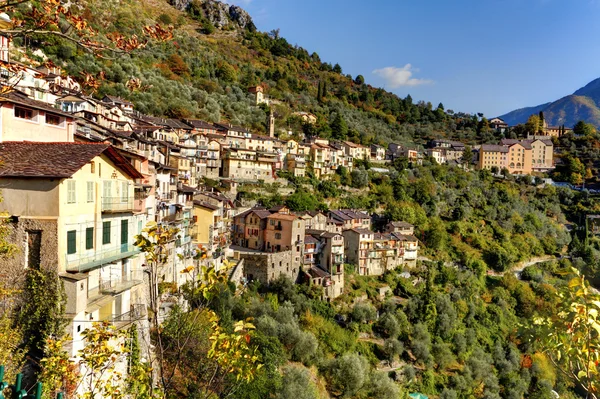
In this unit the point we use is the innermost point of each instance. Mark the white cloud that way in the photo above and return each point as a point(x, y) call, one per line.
point(241, 3)
point(398, 77)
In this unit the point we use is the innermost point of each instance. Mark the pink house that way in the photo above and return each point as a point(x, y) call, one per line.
point(24, 119)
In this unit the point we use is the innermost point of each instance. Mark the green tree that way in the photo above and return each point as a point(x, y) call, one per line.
point(584, 129)
point(359, 80)
point(534, 124)
point(339, 128)
point(226, 72)
point(347, 374)
point(302, 201)
point(337, 68)
point(467, 156)
point(360, 178)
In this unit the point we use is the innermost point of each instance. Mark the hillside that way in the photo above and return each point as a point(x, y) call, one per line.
point(581, 105)
point(216, 54)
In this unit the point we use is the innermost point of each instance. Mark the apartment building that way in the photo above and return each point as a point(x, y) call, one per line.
point(493, 155)
point(376, 253)
point(72, 204)
point(242, 164)
point(538, 155)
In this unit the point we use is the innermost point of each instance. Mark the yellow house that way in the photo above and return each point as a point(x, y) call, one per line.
point(72, 208)
point(208, 224)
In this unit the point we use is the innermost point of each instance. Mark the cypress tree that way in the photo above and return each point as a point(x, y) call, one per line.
point(324, 90)
point(319, 92)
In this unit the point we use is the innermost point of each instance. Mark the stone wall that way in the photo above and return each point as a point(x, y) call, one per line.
point(12, 268)
point(267, 267)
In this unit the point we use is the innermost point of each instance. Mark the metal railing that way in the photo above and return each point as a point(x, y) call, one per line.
point(79, 263)
point(117, 284)
point(137, 312)
point(117, 204)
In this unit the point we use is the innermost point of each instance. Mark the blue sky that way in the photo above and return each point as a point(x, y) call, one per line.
point(488, 56)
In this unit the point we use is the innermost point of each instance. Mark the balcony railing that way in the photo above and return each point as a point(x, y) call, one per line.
point(117, 284)
point(84, 262)
point(117, 204)
point(137, 312)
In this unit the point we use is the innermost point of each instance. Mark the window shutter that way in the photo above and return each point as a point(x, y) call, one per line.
point(89, 238)
point(106, 233)
point(71, 191)
point(124, 231)
point(90, 191)
point(124, 191)
point(71, 242)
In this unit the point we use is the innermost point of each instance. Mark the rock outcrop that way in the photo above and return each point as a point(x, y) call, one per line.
point(219, 14)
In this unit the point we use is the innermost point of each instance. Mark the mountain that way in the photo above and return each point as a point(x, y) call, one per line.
point(520, 115)
point(583, 104)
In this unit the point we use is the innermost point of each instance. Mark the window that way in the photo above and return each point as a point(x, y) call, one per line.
point(278, 236)
point(89, 238)
point(24, 113)
point(71, 191)
point(124, 231)
point(92, 167)
point(106, 233)
point(90, 191)
point(124, 191)
point(71, 242)
point(34, 245)
point(53, 120)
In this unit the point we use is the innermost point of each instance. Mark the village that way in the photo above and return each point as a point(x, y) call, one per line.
point(81, 177)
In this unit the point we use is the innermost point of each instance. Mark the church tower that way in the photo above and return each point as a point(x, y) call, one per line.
point(271, 125)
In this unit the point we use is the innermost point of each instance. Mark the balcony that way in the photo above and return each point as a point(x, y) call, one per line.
point(116, 284)
point(117, 204)
point(85, 262)
point(137, 312)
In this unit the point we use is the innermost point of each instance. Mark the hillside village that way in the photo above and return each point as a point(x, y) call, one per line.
point(82, 176)
point(103, 171)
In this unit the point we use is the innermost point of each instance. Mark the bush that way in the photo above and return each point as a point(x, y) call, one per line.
point(297, 384)
point(364, 312)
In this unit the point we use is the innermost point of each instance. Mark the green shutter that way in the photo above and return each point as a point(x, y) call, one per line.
point(89, 238)
point(71, 242)
point(124, 231)
point(106, 233)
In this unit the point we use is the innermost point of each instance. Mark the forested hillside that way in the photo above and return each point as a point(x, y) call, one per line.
point(204, 72)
